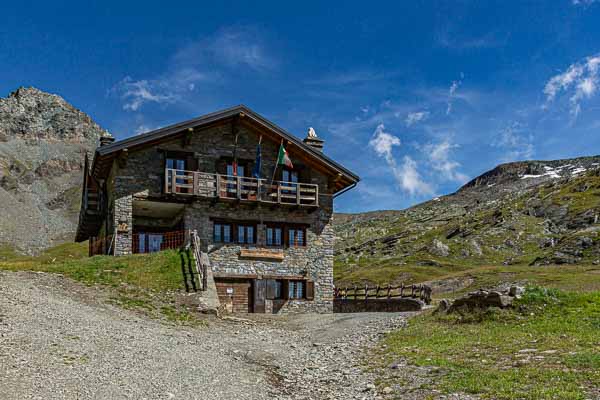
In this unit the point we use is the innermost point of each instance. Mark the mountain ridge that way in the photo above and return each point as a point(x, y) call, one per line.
point(526, 212)
point(43, 141)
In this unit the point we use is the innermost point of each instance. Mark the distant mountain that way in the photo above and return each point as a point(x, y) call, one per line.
point(43, 140)
point(530, 212)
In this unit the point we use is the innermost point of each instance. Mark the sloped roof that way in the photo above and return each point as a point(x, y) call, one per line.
point(106, 153)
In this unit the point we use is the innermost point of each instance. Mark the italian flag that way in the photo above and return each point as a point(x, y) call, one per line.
point(283, 158)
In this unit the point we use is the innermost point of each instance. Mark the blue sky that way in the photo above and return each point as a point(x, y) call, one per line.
point(416, 97)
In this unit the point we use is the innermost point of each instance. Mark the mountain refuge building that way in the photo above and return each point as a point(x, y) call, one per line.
point(259, 199)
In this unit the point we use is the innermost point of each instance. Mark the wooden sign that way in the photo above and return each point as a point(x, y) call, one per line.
point(262, 254)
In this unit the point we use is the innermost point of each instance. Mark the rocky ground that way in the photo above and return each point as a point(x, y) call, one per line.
point(61, 340)
point(43, 142)
point(523, 213)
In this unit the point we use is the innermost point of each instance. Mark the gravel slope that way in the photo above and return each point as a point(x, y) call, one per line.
point(59, 340)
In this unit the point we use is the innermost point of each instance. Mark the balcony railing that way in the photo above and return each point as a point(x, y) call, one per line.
point(192, 183)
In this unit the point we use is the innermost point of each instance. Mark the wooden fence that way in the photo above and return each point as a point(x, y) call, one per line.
point(422, 292)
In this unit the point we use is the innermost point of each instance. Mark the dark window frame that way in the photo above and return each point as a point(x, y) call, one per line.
point(285, 234)
point(234, 233)
point(292, 293)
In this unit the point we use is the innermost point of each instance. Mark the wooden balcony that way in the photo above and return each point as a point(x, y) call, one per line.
point(240, 188)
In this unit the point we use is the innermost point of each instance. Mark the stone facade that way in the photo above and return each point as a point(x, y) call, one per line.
point(140, 180)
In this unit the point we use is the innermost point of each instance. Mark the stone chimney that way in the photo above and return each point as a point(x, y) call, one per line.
point(106, 139)
point(313, 141)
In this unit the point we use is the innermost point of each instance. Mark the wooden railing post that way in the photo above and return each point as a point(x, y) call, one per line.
point(173, 181)
point(389, 290)
point(355, 290)
point(218, 185)
point(195, 188)
point(239, 187)
point(297, 193)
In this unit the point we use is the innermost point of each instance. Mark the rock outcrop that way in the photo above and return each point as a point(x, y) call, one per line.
point(531, 212)
point(43, 140)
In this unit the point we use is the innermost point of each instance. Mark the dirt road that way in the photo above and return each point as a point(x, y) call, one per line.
point(60, 340)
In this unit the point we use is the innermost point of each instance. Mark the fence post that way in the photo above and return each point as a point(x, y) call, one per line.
point(366, 291)
point(389, 291)
point(355, 289)
point(377, 292)
point(402, 289)
point(346, 292)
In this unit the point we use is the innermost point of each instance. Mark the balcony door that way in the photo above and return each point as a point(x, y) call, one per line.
point(180, 166)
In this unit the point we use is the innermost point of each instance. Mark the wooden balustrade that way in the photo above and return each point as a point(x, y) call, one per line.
point(241, 188)
point(421, 291)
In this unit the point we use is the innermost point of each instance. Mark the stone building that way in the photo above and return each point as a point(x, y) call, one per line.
point(266, 226)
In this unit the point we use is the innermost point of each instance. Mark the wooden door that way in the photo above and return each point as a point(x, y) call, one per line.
point(259, 287)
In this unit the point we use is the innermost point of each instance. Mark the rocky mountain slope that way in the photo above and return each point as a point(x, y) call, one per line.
point(43, 140)
point(531, 212)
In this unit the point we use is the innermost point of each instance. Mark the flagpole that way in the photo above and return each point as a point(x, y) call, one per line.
point(276, 162)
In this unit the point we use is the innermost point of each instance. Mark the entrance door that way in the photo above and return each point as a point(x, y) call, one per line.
point(259, 287)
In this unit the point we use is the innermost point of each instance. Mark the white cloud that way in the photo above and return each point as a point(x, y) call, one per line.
point(204, 61)
point(382, 142)
point(583, 2)
point(231, 47)
point(414, 117)
point(580, 79)
point(439, 158)
point(410, 180)
point(407, 176)
point(516, 142)
point(452, 94)
point(143, 128)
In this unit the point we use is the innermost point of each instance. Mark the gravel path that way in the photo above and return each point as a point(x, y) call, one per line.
point(60, 340)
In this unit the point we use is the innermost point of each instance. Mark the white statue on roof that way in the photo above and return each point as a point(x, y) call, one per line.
point(311, 133)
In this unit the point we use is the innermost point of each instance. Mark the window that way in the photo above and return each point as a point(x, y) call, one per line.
point(176, 163)
point(296, 289)
point(228, 232)
point(286, 235)
point(222, 233)
point(296, 237)
point(179, 165)
point(290, 176)
point(245, 234)
point(274, 236)
point(240, 169)
point(287, 175)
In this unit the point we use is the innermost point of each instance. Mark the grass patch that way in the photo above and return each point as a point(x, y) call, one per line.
point(547, 348)
point(148, 283)
point(157, 271)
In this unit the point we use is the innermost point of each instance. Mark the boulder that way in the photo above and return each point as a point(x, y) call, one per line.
point(482, 299)
point(438, 248)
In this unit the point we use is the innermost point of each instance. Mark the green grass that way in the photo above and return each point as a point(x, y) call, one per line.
point(547, 348)
point(144, 282)
point(568, 277)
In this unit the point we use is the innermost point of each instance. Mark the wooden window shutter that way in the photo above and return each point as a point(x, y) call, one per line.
point(285, 288)
point(310, 290)
point(271, 289)
point(191, 163)
point(221, 166)
point(304, 175)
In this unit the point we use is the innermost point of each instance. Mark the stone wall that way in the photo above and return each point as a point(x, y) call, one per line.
point(314, 262)
point(377, 305)
point(141, 177)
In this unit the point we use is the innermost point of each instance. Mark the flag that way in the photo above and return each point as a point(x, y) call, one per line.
point(257, 163)
point(283, 158)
